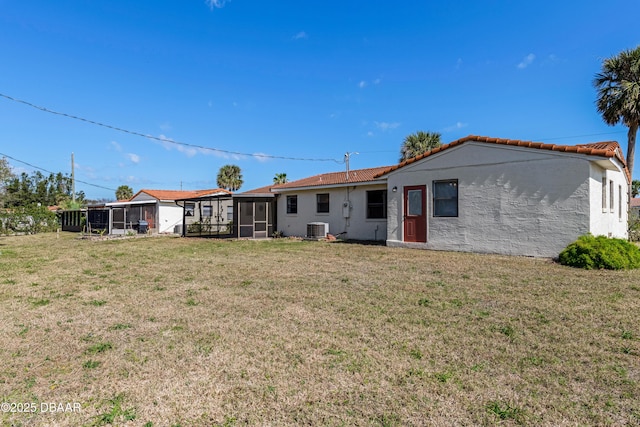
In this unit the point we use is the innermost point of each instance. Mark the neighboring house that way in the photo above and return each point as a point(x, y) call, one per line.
point(513, 197)
point(158, 208)
point(352, 207)
point(635, 208)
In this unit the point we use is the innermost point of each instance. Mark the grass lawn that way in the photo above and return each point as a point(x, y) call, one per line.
point(190, 332)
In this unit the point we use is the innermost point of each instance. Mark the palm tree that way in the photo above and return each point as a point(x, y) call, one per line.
point(280, 178)
point(230, 177)
point(618, 87)
point(418, 143)
point(124, 192)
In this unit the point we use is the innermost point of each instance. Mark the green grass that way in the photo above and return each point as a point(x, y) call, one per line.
point(208, 333)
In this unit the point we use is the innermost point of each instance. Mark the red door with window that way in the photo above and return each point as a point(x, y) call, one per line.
point(415, 214)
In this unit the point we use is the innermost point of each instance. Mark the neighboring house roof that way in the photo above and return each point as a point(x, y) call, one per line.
point(635, 202)
point(602, 149)
point(262, 191)
point(180, 194)
point(356, 176)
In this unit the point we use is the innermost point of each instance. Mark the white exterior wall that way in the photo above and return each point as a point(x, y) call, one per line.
point(357, 226)
point(610, 220)
point(511, 200)
point(169, 215)
point(143, 196)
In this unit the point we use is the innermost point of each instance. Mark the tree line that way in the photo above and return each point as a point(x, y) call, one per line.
point(55, 189)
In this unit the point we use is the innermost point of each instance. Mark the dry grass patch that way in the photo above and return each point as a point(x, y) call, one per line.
point(165, 331)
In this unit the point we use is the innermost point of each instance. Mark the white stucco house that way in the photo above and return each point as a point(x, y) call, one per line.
point(482, 194)
point(476, 194)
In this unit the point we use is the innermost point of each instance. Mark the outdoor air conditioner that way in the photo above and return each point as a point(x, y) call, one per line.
point(177, 229)
point(317, 230)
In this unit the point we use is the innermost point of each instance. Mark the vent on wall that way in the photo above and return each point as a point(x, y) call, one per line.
point(317, 230)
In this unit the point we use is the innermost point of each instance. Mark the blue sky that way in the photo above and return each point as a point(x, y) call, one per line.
point(291, 79)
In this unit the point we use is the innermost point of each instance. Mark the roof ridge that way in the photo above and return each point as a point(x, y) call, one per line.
point(603, 149)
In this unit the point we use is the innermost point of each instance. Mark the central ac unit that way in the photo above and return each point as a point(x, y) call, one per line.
point(317, 230)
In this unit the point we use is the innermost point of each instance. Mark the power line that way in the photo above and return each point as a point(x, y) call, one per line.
point(164, 140)
point(578, 136)
point(48, 171)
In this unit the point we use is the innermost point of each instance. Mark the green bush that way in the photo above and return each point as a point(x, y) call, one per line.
point(591, 252)
point(27, 220)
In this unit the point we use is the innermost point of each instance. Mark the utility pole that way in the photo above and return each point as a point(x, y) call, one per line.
point(347, 156)
point(73, 180)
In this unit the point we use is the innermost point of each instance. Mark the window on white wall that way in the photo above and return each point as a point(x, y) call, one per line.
point(377, 204)
point(604, 193)
point(620, 202)
point(322, 203)
point(207, 211)
point(292, 204)
point(445, 198)
point(611, 199)
point(230, 213)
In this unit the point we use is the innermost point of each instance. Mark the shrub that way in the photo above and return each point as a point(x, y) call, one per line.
point(27, 220)
point(592, 252)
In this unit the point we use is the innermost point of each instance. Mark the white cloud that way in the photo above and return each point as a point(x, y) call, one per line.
point(369, 133)
point(190, 151)
point(528, 60)
point(362, 84)
point(458, 125)
point(301, 35)
point(385, 126)
point(459, 63)
point(216, 4)
point(116, 146)
point(169, 145)
point(134, 158)
point(377, 81)
point(261, 157)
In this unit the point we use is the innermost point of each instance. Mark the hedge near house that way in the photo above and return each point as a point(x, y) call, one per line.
point(591, 252)
point(27, 220)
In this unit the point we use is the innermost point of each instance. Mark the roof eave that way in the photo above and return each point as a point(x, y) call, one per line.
point(329, 186)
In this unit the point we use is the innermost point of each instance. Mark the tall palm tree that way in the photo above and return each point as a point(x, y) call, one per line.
point(230, 177)
point(418, 143)
point(618, 87)
point(280, 178)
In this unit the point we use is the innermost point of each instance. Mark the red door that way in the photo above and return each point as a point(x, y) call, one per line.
point(415, 214)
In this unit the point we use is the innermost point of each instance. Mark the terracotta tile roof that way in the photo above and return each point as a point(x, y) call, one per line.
point(635, 202)
point(261, 190)
point(179, 194)
point(603, 149)
point(334, 178)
